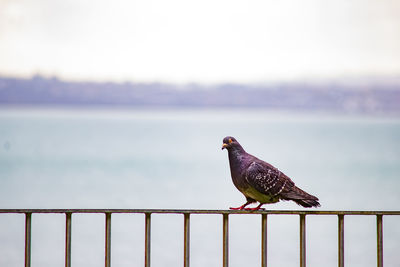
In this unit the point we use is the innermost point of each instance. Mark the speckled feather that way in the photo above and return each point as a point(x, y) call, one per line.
point(266, 178)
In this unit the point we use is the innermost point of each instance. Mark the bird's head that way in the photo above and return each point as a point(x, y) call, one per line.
point(230, 142)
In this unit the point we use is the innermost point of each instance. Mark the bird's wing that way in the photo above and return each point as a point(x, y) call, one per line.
point(267, 179)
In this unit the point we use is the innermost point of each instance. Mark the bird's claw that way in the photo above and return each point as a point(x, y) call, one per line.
point(238, 208)
point(254, 209)
point(247, 209)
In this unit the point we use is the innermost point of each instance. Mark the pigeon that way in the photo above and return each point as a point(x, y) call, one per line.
point(261, 182)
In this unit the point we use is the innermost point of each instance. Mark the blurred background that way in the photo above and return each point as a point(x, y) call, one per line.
point(124, 104)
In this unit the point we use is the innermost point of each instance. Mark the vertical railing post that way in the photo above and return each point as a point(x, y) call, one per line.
point(340, 240)
point(147, 240)
point(108, 240)
point(68, 239)
point(264, 240)
point(28, 235)
point(379, 240)
point(186, 253)
point(302, 240)
point(225, 239)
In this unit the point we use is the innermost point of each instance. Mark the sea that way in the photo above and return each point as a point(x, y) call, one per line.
point(172, 159)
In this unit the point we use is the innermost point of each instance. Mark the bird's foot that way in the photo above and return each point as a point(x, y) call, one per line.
point(243, 207)
point(253, 209)
point(256, 208)
point(238, 208)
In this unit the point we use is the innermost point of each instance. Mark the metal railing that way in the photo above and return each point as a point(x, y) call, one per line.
point(186, 216)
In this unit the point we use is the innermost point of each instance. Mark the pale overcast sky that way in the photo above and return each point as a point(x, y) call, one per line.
point(199, 41)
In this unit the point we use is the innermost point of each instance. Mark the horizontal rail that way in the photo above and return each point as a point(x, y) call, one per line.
point(179, 211)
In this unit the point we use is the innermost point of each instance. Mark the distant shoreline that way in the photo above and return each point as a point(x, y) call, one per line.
point(360, 96)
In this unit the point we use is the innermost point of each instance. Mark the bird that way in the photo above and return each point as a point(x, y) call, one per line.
point(261, 182)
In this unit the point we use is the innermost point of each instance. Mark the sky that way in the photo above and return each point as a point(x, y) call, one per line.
point(205, 41)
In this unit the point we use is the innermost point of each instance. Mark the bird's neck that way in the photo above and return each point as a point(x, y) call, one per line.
point(236, 155)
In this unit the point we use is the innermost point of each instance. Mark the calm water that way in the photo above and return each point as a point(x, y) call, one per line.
point(52, 158)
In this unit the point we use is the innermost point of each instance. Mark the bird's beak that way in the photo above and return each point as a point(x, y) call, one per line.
point(224, 145)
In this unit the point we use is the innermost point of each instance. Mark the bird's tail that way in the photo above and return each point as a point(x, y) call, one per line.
point(307, 203)
point(301, 198)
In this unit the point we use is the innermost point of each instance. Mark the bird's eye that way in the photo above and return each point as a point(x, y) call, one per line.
point(230, 140)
